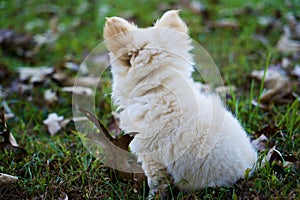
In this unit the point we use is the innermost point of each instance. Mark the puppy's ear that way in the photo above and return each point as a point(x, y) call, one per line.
point(171, 20)
point(116, 25)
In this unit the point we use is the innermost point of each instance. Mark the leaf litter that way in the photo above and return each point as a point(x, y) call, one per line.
point(34, 74)
point(263, 141)
point(8, 143)
point(266, 142)
point(289, 42)
point(24, 45)
point(277, 85)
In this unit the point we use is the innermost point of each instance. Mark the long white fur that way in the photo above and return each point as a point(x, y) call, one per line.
point(183, 134)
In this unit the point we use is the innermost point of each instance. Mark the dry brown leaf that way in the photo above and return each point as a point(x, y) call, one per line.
point(63, 196)
point(84, 81)
point(21, 88)
point(87, 81)
point(285, 44)
point(265, 138)
point(79, 90)
point(2, 92)
point(50, 96)
point(8, 138)
point(7, 111)
point(45, 38)
point(265, 107)
point(34, 74)
point(285, 63)
point(24, 45)
point(63, 79)
point(282, 160)
point(260, 143)
point(266, 20)
point(8, 142)
point(290, 40)
point(224, 23)
point(277, 85)
point(195, 6)
point(293, 28)
point(53, 123)
point(116, 150)
point(72, 66)
point(262, 38)
point(6, 179)
point(270, 132)
point(83, 69)
point(19, 44)
point(296, 71)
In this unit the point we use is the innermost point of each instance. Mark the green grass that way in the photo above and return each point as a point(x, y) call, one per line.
point(60, 163)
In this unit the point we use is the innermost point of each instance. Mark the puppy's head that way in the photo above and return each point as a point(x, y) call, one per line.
point(142, 47)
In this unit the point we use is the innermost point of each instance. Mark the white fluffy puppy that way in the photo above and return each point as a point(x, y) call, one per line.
point(185, 136)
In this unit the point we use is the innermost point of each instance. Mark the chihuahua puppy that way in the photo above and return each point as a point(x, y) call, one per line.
point(186, 137)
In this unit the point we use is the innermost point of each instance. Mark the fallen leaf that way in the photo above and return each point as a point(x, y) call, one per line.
point(17, 86)
point(282, 160)
point(290, 40)
point(83, 69)
point(7, 111)
point(270, 132)
point(72, 66)
point(277, 85)
point(262, 38)
point(285, 44)
point(79, 119)
point(8, 141)
point(267, 107)
point(53, 24)
point(34, 74)
point(8, 138)
point(63, 79)
point(285, 63)
point(266, 20)
point(224, 23)
point(53, 123)
point(63, 196)
point(19, 44)
point(65, 122)
point(87, 81)
point(265, 138)
point(50, 96)
point(195, 6)
point(78, 90)
point(296, 71)
point(2, 92)
point(6, 179)
point(293, 28)
point(45, 38)
point(117, 153)
point(260, 143)
point(84, 81)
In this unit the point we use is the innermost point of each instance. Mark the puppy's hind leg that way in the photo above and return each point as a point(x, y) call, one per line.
point(159, 180)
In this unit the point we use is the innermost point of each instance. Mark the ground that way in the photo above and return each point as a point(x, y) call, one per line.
point(237, 35)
